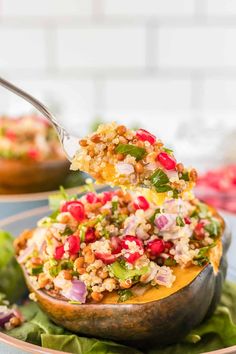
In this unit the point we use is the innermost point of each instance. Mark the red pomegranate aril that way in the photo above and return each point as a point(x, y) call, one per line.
point(141, 203)
point(116, 245)
point(33, 154)
point(131, 238)
point(199, 231)
point(59, 252)
point(75, 208)
point(144, 135)
point(74, 244)
point(132, 257)
point(187, 220)
point(92, 198)
point(11, 135)
point(107, 197)
point(107, 258)
point(167, 161)
point(168, 245)
point(90, 235)
point(156, 247)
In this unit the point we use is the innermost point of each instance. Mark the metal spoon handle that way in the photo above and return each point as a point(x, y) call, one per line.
point(36, 103)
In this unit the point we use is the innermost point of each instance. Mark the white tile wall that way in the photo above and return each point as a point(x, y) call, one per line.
point(22, 49)
point(197, 47)
point(149, 7)
point(72, 101)
point(148, 95)
point(101, 47)
point(221, 7)
point(46, 8)
point(151, 60)
point(219, 95)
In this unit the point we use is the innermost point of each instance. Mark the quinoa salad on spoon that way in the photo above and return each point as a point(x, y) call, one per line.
point(126, 240)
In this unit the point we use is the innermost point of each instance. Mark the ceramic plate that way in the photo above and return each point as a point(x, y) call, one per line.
point(17, 223)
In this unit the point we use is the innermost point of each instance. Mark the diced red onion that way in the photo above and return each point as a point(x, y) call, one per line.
point(124, 168)
point(151, 166)
point(76, 292)
point(172, 174)
point(165, 277)
point(138, 290)
point(161, 221)
point(6, 316)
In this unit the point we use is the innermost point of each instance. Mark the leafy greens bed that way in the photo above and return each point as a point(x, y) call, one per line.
point(217, 332)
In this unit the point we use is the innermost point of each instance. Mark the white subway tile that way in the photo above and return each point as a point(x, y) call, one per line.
point(220, 95)
point(149, 7)
point(221, 7)
point(197, 47)
point(22, 48)
point(100, 47)
point(72, 101)
point(46, 8)
point(148, 95)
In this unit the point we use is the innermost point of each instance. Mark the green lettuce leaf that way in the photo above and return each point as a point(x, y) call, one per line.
point(12, 282)
point(80, 345)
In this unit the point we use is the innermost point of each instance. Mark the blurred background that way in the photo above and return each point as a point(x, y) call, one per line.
point(167, 66)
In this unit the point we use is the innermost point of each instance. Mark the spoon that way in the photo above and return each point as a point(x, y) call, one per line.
point(69, 142)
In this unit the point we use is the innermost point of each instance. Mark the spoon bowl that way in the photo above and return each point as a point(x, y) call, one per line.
point(69, 142)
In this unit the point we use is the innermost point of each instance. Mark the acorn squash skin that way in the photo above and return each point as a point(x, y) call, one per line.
point(161, 322)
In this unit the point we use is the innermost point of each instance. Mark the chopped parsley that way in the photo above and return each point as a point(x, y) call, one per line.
point(135, 151)
point(124, 295)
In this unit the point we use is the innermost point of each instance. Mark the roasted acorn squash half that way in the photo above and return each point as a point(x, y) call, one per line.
point(160, 316)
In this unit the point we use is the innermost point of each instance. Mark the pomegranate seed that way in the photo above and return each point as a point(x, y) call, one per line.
point(144, 135)
point(116, 245)
point(131, 239)
point(90, 235)
point(156, 247)
point(168, 245)
point(199, 231)
point(107, 197)
point(59, 252)
point(167, 161)
point(75, 208)
point(33, 154)
point(11, 135)
point(131, 257)
point(74, 244)
point(92, 198)
point(141, 203)
point(187, 220)
point(107, 258)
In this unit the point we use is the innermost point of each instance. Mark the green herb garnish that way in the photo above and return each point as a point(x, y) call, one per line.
point(160, 180)
point(213, 228)
point(114, 206)
point(169, 151)
point(135, 151)
point(179, 221)
point(122, 273)
point(152, 218)
point(37, 270)
point(124, 295)
point(184, 176)
point(170, 262)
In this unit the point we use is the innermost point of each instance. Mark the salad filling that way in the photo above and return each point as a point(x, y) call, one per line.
point(120, 156)
point(28, 138)
point(116, 241)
